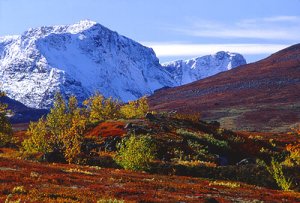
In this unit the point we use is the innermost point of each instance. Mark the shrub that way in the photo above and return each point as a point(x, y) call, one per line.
point(193, 117)
point(226, 184)
point(19, 190)
point(136, 153)
point(199, 150)
point(209, 139)
point(293, 159)
point(5, 127)
point(110, 201)
point(276, 171)
point(188, 134)
point(218, 143)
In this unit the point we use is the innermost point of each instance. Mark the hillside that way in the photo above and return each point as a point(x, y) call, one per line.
point(195, 162)
point(19, 113)
point(72, 183)
point(261, 96)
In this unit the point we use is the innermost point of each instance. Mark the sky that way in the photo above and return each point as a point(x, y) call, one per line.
point(175, 29)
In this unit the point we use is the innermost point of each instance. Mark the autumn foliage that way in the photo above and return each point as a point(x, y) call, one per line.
point(64, 127)
point(5, 127)
point(62, 130)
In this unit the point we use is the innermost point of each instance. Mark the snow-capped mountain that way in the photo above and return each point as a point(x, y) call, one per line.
point(86, 57)
point(187, 71)
point(77, 60)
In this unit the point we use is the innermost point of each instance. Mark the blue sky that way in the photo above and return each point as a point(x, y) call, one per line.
point(175, 29)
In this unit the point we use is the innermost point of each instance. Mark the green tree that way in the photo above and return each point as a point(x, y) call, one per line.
point(37, 141)
point(5, 126)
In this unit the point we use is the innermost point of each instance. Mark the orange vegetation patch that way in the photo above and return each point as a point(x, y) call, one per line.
point(107, 129)
point(37, 182)
point(280, 138)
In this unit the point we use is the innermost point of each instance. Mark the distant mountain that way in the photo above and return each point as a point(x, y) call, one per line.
point(261, 96)
point(188, 71)
point(77, 60)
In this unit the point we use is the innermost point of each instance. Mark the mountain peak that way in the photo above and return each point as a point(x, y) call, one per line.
point(79, 60)
point(81, 26)
point(85, 57)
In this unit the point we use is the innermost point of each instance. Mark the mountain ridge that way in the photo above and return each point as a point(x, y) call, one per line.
point(77, 59)
point(85, 58)
point(257, 96)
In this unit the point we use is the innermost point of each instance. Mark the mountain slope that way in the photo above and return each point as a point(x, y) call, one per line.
point(258, 96)
point(188, 71)
point(77, 59)
point(86, 57)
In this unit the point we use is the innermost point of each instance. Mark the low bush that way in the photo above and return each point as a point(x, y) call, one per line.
point(136, 153)
point(276, 171)
point(110, 201)
point(293, 158)
point(222, 144)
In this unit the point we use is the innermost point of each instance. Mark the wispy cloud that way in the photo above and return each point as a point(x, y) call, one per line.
point(273, 28)
point(175, 49)
point(282, 19)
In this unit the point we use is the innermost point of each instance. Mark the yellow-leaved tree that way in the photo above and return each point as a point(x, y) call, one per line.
point(5, 126)
point(62, 130)
point(72, 138)
point(135, 109)
point(38, 140)
point(100, 109)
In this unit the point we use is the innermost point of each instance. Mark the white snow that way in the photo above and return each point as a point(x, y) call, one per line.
point(77, 60)
point(187, 71)
point(86, 57)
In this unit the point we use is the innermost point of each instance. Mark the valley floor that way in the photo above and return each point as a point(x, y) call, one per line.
point(40, 182)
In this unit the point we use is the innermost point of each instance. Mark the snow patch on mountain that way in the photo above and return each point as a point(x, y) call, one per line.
point(77, 60)
point(86, 57)
point(187, 71)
